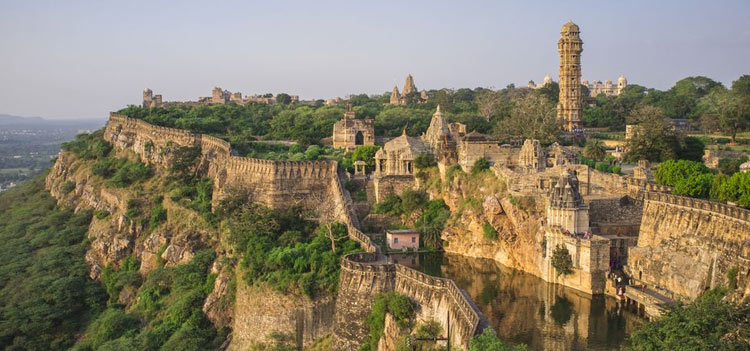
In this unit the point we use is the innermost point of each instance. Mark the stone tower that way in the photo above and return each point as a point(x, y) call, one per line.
point(148, 97)
point(409, 86)
point(570, 105)
point(395, 96)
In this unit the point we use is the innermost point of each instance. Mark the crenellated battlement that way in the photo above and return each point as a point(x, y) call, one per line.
point(688, 245)
point(365, 274)
point(307, 183)
point(729, 211)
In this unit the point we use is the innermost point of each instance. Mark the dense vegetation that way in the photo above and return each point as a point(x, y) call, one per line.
point(47, 296)
point(694, 179)
point(283, 249)
point(711, 322)
point(431, 214)
point(167, 312)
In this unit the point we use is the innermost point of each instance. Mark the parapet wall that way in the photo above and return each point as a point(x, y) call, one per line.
point(365, 275)
point(274, 183)
point(688, 245)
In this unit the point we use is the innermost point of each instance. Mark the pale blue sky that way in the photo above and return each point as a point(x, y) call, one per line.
point(70, 59)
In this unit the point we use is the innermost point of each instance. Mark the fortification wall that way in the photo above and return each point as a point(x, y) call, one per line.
point(687, 245)
point(364, 275)
point(274, 183)
point(314, 185)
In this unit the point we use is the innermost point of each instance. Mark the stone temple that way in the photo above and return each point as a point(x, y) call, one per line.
point(570, 105)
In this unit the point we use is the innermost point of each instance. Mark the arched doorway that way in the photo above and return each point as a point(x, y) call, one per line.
point(359, 138)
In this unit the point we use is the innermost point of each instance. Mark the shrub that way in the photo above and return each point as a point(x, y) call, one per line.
point(424, 160)
point(398, 306)
point(480, 165)
point(88, 146)
point(67, 187)
point(488, 341)
point(101, 214)
point(129, 173)
point(489, 231)
point(561, 260)
point(158, 216)
point(452, 171)
point(732, 278)
point(391, 205)
point(412, 200)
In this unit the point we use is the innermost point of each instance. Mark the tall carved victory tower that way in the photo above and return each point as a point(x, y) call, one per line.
point(570, 105)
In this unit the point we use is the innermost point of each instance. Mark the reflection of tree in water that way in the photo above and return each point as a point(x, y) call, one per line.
point(431, 263)
point(562, 310)
point(516, 303)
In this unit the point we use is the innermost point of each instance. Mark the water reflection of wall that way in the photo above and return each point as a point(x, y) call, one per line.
point(524, 309)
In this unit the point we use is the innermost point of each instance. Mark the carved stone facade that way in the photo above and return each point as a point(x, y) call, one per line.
point(570, 105)
point(532, 156)
point(568, 226)
point(397, 155)
point(348, 133)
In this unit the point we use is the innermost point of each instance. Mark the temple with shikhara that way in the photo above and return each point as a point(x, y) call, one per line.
point(570, 105)
point(409, 94)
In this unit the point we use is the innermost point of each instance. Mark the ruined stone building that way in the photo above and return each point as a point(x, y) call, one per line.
point(410, 89)
point(570, 105)
point(607, 88)
point(532, 156)
point(151, 100)
point(349, 132)
point(218, 96)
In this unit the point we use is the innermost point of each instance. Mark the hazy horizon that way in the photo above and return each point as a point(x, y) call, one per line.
point(68, 60)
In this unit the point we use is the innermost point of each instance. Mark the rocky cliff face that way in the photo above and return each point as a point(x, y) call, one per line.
point(114, 236)
point(257, 312)
point(517, 222)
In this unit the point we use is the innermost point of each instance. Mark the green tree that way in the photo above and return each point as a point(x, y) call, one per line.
point(711, 322)
point(561, 260)
point(488, 341)
point(594, 150)
point(480, 165)
point(735, 189)
point(424, 160)
point(365, 153)
point(689, 178)
point(655, 139)
point(533, 117)
point(283, 98)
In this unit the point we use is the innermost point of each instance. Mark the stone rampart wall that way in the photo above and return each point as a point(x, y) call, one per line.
point(365, 275)
point(688, 245)
point(274, 183)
